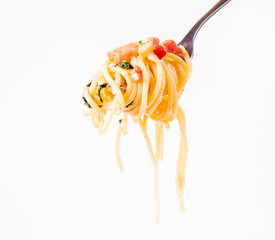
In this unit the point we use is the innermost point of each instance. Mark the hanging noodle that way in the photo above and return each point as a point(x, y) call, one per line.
point(143, 80)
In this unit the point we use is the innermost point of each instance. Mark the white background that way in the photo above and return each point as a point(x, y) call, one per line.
point(59, 179)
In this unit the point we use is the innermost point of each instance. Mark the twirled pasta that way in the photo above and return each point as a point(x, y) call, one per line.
point(153, 91)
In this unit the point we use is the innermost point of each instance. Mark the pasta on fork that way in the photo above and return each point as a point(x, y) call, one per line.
point(143, 80)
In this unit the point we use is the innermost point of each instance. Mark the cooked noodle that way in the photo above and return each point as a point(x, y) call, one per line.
point(115, 90)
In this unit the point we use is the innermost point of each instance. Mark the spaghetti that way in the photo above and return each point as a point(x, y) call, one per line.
point(143, 80)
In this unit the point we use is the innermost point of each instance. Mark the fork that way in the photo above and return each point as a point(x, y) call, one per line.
point(188, 41)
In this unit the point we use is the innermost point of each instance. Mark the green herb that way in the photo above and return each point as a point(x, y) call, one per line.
point(120, 120)
point(129, 104)
point(99, 89)
point(89, 84)
point(141, 42)
point(86, 102)
point(124, 65)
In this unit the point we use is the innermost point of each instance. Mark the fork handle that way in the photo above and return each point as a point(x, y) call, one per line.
point(188, 40)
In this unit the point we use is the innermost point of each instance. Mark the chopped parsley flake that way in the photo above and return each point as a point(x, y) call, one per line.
point(140, 42)
point(86, 102)
point(89, 84)
point(124, 65)
point(129, 104)
point(99, 89)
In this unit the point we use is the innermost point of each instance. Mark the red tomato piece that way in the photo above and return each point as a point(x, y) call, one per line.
point(136, 74)
point(160, 51)
point(171, 47)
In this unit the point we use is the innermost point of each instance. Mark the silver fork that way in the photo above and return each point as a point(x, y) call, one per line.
point(188, 40)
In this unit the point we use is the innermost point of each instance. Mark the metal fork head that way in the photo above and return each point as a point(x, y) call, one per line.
point(188, 41)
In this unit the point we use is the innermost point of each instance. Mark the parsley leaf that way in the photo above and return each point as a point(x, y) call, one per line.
point(86, 102)
point(124, 65)
point(129, 104)
point(140, 42)
point(99, 89)
point(89, 84)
